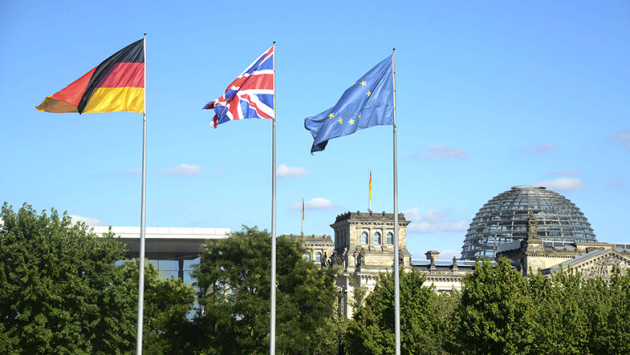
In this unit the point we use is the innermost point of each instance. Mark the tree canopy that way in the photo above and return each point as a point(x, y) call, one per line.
point(423, 318)
point(60, 290)
point(64, 290)
point(234, 282)
point(496, 314)
point(501, 312)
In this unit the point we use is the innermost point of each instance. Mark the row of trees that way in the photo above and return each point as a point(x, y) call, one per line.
point(498, 312)
point(64, 290)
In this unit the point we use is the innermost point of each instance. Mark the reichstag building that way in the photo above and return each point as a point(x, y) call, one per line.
point(538, 229)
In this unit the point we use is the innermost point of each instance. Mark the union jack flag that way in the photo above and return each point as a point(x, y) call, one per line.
point(249, 96)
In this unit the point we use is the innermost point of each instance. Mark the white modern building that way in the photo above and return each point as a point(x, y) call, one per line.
point(173, 250)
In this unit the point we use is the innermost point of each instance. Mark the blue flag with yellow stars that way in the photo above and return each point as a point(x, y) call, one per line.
point(368, 102)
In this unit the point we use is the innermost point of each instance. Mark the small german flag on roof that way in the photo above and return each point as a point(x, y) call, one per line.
point(117, 84)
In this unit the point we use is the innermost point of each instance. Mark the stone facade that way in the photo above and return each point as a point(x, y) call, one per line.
point(445, 276)
point(591, 259)
point(319, 248)
point(364, 247)
point(597, 262)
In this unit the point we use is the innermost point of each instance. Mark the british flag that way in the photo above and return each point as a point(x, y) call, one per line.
point(250, 95)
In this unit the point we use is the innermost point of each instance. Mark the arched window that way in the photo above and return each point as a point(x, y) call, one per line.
point(377, 238)
point(390, 238)
point(364, 237)
point(307, 256)
point(318, 257)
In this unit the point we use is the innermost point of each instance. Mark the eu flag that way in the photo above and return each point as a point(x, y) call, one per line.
point(368, 102)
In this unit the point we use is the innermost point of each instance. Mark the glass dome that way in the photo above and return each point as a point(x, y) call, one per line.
point(504, 220)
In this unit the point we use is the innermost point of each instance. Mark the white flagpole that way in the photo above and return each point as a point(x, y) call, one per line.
point(272, 332)
point(142, 209)
point(396, 247)
point(302, 215)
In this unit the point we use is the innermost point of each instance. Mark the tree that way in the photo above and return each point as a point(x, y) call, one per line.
point(562, 325)
point(60, 290)
point(496, 314)
point(423, 317)
point(63, 290)
point(234, 281)
point(615, 336)
point(168, 303)
point(597, 300)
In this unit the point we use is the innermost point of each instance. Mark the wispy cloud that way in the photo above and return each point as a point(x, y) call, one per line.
point(433, 220)
point(622, 136)
point(563, 184)
point(318, 203)
point(87, 220)
point(217, 172)
point(538, 149)
point(283, 170)
point(184, 169)
point(440, 152)
point(618, 184)
point(133, 171)
point(564, 172)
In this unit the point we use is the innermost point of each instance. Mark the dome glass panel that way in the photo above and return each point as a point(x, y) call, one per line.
point(504, 220)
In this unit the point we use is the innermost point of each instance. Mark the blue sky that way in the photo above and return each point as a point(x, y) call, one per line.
point(490, 94)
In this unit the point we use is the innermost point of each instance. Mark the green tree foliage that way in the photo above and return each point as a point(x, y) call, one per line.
point(496, 314)
point(167, 305)
point(614, 336)
point(60, 291)
point(582, 316)
point(63, 292)
point(234, 296)
point(595, 296)
point(562, 323)
point(423, 318)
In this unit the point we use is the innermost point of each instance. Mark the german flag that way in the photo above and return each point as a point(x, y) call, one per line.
point(117, 84)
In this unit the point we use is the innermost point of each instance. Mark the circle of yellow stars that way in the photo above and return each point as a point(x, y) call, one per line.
point(351, 121)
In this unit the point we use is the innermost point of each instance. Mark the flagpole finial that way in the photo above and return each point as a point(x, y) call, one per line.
point(145, 33)
point(274, 43)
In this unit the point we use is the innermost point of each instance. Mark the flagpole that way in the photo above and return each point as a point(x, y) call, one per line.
point(370, 197)
point(396, 247)
point(142, 209)
point(302, 215)
point(272, 332)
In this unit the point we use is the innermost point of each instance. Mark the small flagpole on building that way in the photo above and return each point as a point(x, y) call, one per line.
point(272, 332)
point(370, 199)
point(396, 247)
point(302, 215)
point(142, 209)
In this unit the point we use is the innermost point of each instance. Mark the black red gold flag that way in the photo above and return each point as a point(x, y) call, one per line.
point(117, 84)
